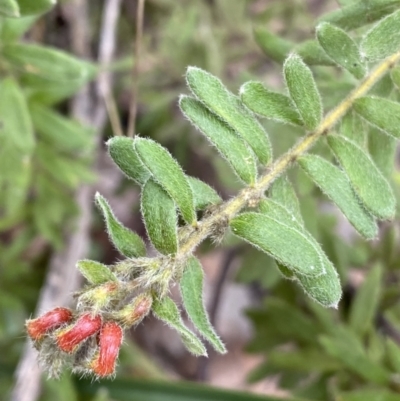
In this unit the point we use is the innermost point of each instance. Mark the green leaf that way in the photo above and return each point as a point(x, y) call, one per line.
point(213, 94)
point(29, 7)
point(360, 13)
point(168, 173)
point(303, 91)
point(159, 214)
point(16, 125)
point(191, 285)
point(312, 53)
point(268, 104)
point(61, 133)
point(395, 75)
point(285, 243)
point(393, 353)
point(282, 192)
point(383, 39)
point(13, 28)
point(228, 143)
point(126, 241)
point(341, 48)
point(167, 311)
point(9, 8)
point(353, 127)
point(367, 181)
point(365, 304)
point(368, 394)
point(203, 194)
point(47, 62)
point(276, 211)
point(382, 149)
point(95, 272)
point(122, 151)
point(381, 113)
point(335, 184)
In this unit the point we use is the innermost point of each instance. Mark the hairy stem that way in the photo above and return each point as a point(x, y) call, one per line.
point(229, 209)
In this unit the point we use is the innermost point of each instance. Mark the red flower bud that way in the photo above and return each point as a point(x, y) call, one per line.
point(51, 320)
point(109, 344)
point(134, 312)
point(85, 326)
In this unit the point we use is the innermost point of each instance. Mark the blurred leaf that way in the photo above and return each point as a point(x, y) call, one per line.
point(395, 75)
point(9, 8)
point(159, 214)
point(191, 286)
point(369, 394)
point(381, 113)
point(341, 48)
point(383, 39)
point(335, 184)
point(29, 7)
point(228, 143)
point(203, 194)
point(303, 91)
point(353, 127)
point(13, 28)
point(168, 173)
point(382, 149)
point(269, 104)
point(365, 305)
point(95, 272)
point(213, 94)
point(393, 354)
point(122, 151)
point(367, 181)
point(273, 237)
point(167, 311)
point(312, 53)
point(125, 241)
point(62, 389)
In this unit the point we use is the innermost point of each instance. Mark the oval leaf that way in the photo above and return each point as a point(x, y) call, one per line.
point(341, 48)
point(367, 181)
point(303, 91)
point(203, 194)
point(192, 296)
point(31, 7)
point(95, 272)
point(228, 107)
point(229, 144)
point(167, 311)
point(168, 173)
point(159, 214)
point(382, 149)
point(335, 184)
point(286, 244)
point(126, 241)
point(382, 113)
point(48, 63)
point(9, 8)
point(122, 151)
point(383, 39)
point(276, 211)
point(269, 104)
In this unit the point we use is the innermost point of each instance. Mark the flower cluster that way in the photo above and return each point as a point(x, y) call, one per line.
point(88, 342)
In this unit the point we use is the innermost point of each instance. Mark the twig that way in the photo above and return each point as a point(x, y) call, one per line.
point(62, 278)
point(136, 69)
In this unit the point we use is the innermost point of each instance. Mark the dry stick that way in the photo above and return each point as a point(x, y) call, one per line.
point(135, 71)
point(62, 277)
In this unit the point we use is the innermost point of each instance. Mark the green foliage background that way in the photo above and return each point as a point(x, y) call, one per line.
point(350, 354)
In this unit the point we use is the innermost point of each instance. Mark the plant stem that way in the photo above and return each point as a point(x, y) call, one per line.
point(135, 71)
point(229, 209)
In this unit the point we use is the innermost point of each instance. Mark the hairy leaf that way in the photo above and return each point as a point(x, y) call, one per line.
point(381, 113)
point(229, 144)
point(395, 75)
point(123, 153)
point(303, 91)
point(95, 272)
point(367, 181)
point(167, 311)
point(382, 149)
point(9, 8)
point(383, 39)
point(286, 244)
point(192, 296)
point(269, 104)
point(159, 214)
point(341, 48)
point(126, 241)
point(168, 173)
point(203, 194)
point(335, 184)
point(211, 92)
point(353, 127)
point(277, 211)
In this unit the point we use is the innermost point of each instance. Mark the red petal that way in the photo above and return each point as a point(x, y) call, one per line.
point(110, 343)
point(51, 320)
point(84, 327)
